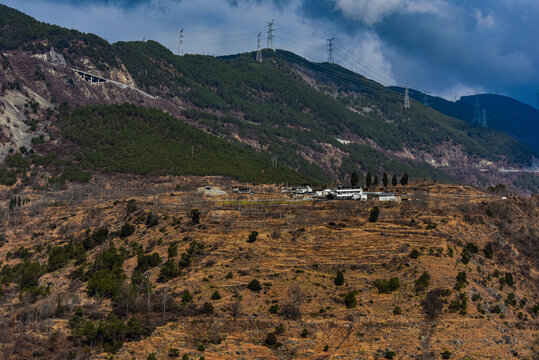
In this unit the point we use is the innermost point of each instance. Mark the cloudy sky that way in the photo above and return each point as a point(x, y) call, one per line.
point(448, 47)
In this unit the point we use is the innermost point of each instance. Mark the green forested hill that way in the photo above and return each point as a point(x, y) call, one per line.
point(286, 107)
point(126, 138)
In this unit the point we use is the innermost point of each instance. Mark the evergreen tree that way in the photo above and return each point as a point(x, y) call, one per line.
point(339, 279)
point(394, 180)
point(376, 182)
point(368, 180)
point(404, 179)
point(385, 180)
point(354, 179)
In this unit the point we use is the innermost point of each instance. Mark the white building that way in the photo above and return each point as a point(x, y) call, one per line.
point(350, 194)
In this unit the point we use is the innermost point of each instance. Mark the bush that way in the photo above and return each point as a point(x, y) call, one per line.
point(511, 300)
point(172, 250)
point(431, 226)
point(496, 309)
point(151, 356)
point(195, 216)
point(461, 280)
point(374, 214)
point(271, 339)
point(472, 248)
point(187, 296)
point(397, 310)
point(304, 333)
point(173, 353)
point(389, 355)
point(460, 304)
point(216, 295)
point(201, 348)
point(350, 299)
point(488, 251)
point(414, 254)
point(446, 354)
point(127, 230)
point(465, 256)
point(207, 308)
point(254, 285)
point(252, 237)
point(146, 262)
point(274, 309)
point(152, 220)
point(339, 279)
point(168, 271)
point(422, 282)
point(387, 286)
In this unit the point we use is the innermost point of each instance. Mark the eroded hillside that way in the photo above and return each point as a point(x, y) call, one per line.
point(135, 268)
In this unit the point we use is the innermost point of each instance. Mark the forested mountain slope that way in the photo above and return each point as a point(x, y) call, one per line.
point(321, 120)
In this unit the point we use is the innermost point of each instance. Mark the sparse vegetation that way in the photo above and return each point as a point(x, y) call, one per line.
point(387, 286)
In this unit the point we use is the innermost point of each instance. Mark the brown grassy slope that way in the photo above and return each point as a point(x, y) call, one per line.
point(297, 255)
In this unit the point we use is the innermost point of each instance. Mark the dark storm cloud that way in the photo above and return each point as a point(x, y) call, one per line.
point(450, 47)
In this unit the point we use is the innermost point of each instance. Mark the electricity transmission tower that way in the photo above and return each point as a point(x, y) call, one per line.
point(477, 118)
point(406, 98)
point(180, 46)
point(330, 48)
point(270, 34)
point(259, 49)
point(484, 120)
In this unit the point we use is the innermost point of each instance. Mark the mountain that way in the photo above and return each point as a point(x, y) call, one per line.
point(503, 113)
point(320, 120)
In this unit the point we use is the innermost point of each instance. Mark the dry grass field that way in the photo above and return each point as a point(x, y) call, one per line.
point(210, 308)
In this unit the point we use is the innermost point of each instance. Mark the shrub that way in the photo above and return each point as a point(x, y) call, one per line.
point(254, 285)
point(433, 305)
point(389, 355)
point(187, 296)
point(216, 295)
point(271, 339)
point(151, 356)
point(350, 299)
point(509, 279)
point(127, 230)
point(279, 329)
point(431, 225)
point(414, 254)
point(172, 250)
point(131, 206)
point(496, 309)
point(460, 304)
point(195, 216)
point(168, 271)
point(326, 348)
point(488, 251)
point(339, 279)
point(207, 308)
point(387, 286)
point(146, 262)
point(422, 282)
point(397, 310)
point(304, 333)
point(173, 352)
point(201, 347)
point(511, 300)
point(461, 280)
point(465, 256)
point(252, 237)
point(476, 297)
point(152, 220)
point(274, 309)
point(446, 354)
point(472, 248)
point(374, 214)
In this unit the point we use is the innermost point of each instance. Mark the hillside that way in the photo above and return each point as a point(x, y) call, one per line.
point(506, 114)
point(135, 267)
point(320, 120)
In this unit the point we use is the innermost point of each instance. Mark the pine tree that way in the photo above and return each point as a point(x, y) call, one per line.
point(404, 179)
point(385, 180)
point(376, 182)
point(394, 180)
point(354, 179)
point(368, 180)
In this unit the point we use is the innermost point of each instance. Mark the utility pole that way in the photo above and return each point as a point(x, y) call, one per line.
point(406, 97)
point(180, 46)
point(477, 112)
point(259, 49)
point(330, 47)
point(270, 34)
point(484, 122)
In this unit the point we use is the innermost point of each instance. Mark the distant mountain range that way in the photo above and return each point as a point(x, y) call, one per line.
point(503, 113)
point(319, 120)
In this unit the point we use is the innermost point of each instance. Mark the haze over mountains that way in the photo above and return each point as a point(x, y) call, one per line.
point(318, 119)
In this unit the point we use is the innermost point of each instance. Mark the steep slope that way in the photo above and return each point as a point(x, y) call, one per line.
point(318, 119)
